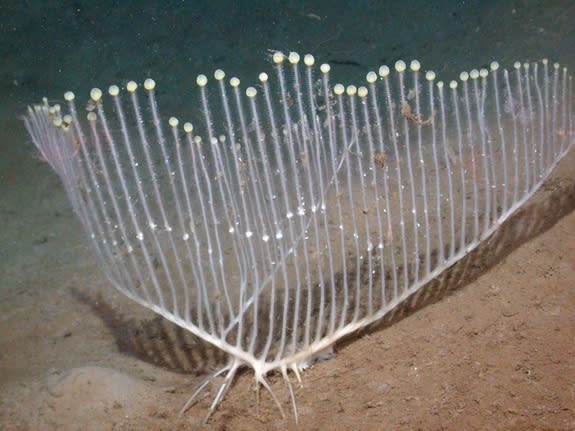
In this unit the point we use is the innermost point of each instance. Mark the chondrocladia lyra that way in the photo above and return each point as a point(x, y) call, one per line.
point(295, 212)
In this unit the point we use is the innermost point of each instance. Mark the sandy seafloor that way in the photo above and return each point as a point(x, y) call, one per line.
point(499, 353)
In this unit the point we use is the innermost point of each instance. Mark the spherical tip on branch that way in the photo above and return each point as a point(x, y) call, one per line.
point(113, 90)
point(400, 66)
point(251, 92)
point(383, 71)
point(308, 60)
point(371, 77)
point(131, 86)
point(278, 57)
point(294, 58)
point(202, 81)
point(96, 94)
point(149, 84)
point(219, 75)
